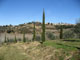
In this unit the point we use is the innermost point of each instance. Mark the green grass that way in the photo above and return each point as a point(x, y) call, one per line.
point(54, 49)
point(76, 42)
point(61, 45)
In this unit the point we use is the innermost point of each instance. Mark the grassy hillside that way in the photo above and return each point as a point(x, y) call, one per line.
point(50, 50)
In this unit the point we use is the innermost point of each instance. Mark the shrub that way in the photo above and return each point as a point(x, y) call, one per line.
point(68, 34)
point(38, 38)
point(10, 40)
point(64, 26)
point(77, 28)
point(24, 39)
point(19, 39)
point(28, 40)
point(50, 35)
point(24, 29)
point(10, 31)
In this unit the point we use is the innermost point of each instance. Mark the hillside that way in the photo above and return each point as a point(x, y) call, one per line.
point(28, 27)
point(36, 51)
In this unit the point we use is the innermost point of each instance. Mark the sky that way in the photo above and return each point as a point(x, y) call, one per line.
point(23, 11)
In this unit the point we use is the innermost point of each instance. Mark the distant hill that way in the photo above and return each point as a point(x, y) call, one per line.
point(28, 27)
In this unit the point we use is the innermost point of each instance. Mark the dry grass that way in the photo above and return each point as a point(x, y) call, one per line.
point(12, 36)
point(34, 51)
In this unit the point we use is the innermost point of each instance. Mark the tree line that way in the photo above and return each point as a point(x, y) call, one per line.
point(76, 29)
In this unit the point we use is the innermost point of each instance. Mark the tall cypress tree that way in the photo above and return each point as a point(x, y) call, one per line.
point(43, 28)
point(24, 39)
point(61, 32)
point(15, 39)
point(34, 33)
point(5, 38)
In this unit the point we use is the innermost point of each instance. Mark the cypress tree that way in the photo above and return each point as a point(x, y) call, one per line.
point(43, 28)
point(24, 39)
point(61, 32)
point(15, 39)
point(5, 38)
point(34, 33)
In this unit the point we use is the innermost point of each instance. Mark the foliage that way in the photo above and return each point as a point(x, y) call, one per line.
point(64, 26)
point(10, 40)
point(77, 29)
point(34, 33)
point(43, 28)
point(15, 39)
point(10, 31)
point(5, 39)
point(68, 34)
point(61, 32)
point(38, 38)
point(19, 39)
point(50, 35)
point(24, 39)
point(24, 29)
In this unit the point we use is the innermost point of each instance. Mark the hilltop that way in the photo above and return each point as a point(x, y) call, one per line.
point(28, 27)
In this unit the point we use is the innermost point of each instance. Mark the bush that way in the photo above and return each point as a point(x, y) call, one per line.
point(50, 35)
point(10, 31)
point(77, 28)
point(19, 39)
point(11, 40)
point(68, 34)
point(64, 26)
point(24, 29)
point(38, 38)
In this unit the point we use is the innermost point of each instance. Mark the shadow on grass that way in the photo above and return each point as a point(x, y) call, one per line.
point(72, 40)
point(69, 46)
